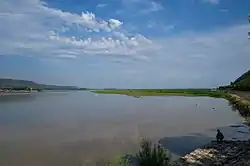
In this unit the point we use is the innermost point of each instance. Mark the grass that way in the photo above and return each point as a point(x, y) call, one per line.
point(163, 92)
point(149, 155)
point(119, 161)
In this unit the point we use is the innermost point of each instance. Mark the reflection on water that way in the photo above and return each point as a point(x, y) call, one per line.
point(26, 97)
point(73, 128)
point(17, 97)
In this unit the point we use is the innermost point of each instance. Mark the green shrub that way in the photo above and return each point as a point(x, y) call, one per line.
point(152, 155)
point(119, 161)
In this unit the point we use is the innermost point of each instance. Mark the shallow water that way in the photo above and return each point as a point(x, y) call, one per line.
point(83, 128)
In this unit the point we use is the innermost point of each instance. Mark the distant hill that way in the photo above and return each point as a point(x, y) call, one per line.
point(241, 83)
point(14, 83)
point(243, 80)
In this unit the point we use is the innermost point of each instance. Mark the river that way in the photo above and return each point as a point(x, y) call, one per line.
point(83, 128)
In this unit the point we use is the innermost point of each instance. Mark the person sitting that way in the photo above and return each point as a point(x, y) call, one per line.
point(219, 136)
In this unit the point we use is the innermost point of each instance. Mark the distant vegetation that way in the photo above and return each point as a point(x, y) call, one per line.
point(13, 84)
point(164, 92)
point(242, 83)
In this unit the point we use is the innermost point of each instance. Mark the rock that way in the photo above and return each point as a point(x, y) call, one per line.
point(233, 152)
point(218, 163)
point(237, 126)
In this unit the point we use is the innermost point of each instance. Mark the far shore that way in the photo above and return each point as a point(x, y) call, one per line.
point(163, 92)
point(18, 92)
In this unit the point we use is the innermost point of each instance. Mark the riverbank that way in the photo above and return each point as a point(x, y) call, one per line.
point(163, 92)
point(241, 104)
point(228, 153)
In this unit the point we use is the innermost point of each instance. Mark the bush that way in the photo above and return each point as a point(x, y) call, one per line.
point(152, 155)
point(119, 161)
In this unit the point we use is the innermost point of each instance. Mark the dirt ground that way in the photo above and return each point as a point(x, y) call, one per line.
point(245, 94)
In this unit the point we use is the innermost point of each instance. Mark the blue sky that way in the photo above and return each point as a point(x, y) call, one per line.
point(125, 43)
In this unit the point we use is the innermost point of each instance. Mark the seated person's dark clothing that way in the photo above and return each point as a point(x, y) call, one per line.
point(219, 136)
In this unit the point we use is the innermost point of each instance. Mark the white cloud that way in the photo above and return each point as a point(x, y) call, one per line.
point(226, 42)
point(31, 9)
point(67, 56)
point(155, 7)
point(151, 6)
point(101, 5)
point(212, 1)
point(142, 6)
point(134, 46)
point(34, 29)
point(197, 59)
point(86, 19)
point(113, 23)
point(220, 55)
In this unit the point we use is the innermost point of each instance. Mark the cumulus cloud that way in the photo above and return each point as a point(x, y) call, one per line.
point(113, 23)
point(35, 9)
point(86, 19)
point(35, 29)
point(132, 47)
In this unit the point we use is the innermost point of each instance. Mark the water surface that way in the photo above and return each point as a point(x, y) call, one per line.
point(83, 128)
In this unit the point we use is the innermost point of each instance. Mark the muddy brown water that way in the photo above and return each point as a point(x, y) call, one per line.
point(83, 128)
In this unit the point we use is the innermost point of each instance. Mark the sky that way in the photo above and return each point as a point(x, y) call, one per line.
point(125, 43)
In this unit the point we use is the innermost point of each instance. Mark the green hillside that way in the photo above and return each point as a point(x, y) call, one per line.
point(243, 80)
point(241, 83)
point(6, 83)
